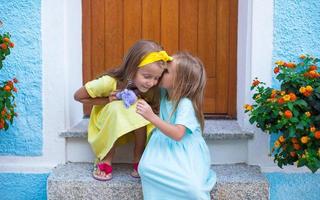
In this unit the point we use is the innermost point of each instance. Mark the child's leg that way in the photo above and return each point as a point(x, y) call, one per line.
point(108, 158)
point(102, 175)
point(139, 143)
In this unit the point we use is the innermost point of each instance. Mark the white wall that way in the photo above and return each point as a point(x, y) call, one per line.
point(62, 68)
point(255, 38)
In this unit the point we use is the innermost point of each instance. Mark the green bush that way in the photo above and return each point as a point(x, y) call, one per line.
point(293, 111)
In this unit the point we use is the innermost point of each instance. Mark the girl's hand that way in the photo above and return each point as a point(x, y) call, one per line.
point(112, 96)
point(144, 109)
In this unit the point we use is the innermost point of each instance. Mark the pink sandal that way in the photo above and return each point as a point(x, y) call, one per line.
point(135, 173)
point(102, 167)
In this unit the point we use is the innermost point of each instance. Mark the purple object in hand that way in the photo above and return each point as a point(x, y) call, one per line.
point(128, 97)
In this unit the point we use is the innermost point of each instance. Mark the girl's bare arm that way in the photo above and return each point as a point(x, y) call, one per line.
point(174, 131)
point(82, 96)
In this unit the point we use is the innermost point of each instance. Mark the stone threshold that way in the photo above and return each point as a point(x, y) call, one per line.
point(214, 130)
point(74, 181)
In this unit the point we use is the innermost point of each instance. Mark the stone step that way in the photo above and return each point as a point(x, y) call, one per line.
point(226, 141)
point(74, 181)
point(213, 130)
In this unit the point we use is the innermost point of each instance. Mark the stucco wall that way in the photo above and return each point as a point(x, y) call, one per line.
point(21, 19)
point(23, 186)
point(296, 31)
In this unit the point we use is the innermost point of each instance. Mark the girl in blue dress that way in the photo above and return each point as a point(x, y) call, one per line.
point(176, 162)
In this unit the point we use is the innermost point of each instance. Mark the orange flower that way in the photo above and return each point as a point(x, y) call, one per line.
point(312, 67)
point(294, 140)
point(11, 44)
point(308, 114)
point(6, 39)
point(3, 46)
point(248, 107)
point(281, 139)
point(309, 88)
point(293, 154)
point(317, 135)
point(290, 65)
point(282, 93)
point(305, 139)
point(255, 82)
point(279, 62)
point(7, 88)
point(302, 56)
point(302, 90)
point(276, 70)
point(280, 101)
point(307, 94)
point(296, 146)
point(312, 129)
point(286, 98)
point(277, 144)
point(288, 114)
point(293, 97)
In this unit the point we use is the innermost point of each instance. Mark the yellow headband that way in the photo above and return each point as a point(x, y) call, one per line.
point(155, 56)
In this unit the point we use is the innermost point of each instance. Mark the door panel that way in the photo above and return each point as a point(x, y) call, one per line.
point(206, 28)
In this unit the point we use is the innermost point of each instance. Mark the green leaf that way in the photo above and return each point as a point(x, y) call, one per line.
point(302, 162)
point(301, 102)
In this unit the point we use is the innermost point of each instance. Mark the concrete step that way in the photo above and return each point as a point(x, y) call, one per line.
point(227, 143)
point(74, 181)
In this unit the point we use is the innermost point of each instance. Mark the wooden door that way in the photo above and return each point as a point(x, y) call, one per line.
point(206, 28)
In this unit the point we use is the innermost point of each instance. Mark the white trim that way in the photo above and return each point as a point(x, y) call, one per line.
point(73, 32)
point(255, 45)
point(35, 168)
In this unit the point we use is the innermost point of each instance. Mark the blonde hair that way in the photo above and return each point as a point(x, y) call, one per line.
point(189, 82)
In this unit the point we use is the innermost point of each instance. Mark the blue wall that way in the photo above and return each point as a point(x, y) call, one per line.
point(296, 31)
point(22, 20)
point(294, 186)
point(23, 186)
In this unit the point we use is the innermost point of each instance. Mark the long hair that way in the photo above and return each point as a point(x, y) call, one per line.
point(189, 81)
point(129, 66)
point(126, 71)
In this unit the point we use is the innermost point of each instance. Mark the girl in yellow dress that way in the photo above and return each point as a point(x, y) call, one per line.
point(111, 120)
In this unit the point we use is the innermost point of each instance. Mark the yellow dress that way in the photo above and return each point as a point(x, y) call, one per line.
point(110, 124)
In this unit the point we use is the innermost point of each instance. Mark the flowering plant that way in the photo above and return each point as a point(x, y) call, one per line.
point(5, 45)
point(293, 111)
point(7, 88)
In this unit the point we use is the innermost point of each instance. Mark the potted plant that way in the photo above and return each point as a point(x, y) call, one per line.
point(292, 112)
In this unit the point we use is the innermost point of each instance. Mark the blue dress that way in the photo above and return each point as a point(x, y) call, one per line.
point(177, 170)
